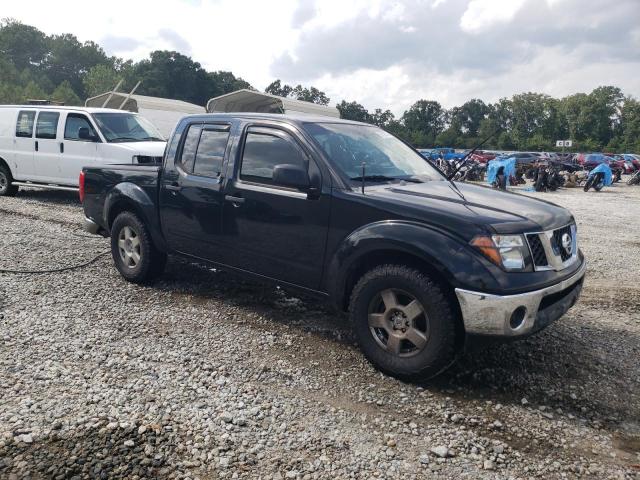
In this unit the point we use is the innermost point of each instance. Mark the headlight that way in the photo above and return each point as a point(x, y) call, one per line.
point(506, 251)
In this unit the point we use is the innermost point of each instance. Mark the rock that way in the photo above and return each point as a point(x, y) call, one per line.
point(442, 451)
point(129, 443)
point(489, 465)
point(424, 459)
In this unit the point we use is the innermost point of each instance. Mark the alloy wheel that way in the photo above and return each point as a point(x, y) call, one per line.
point(129, 247)
point(398, 322)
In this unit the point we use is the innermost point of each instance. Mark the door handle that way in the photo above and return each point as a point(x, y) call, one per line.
point(61, 147)
point(174, 187)
point(235, 200)
point(36, 145)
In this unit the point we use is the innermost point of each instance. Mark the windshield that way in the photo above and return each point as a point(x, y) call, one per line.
point(126, 127)
point(385, 157)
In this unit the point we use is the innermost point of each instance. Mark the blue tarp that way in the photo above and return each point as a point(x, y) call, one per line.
point(509, 165)
point(604, 168)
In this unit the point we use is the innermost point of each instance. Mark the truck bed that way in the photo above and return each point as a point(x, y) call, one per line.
point(100, 186)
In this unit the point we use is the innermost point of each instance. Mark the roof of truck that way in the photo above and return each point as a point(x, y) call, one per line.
point(65, 107)
point(282, 117)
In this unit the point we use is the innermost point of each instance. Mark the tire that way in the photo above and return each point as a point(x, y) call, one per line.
point(589, 184)
point(372, 306)
point(6, 188)
point(635, 179)
point(134, 254)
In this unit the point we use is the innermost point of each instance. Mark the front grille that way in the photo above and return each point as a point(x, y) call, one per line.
point(556, 243)
point(537, 250)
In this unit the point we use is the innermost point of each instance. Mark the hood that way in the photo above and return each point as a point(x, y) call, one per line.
point(467, 209)
point(152, 149)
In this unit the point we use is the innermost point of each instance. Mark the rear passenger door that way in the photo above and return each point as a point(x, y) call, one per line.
point(269, 229)
point(46, 158)
point(191, 195)
point(25, 145)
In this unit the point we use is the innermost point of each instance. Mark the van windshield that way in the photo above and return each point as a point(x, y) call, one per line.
point(126, 127)
point(385, 158)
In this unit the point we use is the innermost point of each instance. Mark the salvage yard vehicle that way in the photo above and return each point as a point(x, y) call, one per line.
point(46, 146)
point(349, 213)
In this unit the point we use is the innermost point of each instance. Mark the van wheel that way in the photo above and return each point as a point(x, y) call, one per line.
point(6, 188)
point(403, 323)
point(134, 254)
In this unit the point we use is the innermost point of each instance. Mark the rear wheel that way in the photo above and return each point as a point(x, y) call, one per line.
point(404, 324)
point(6, 188)
point(134, 254)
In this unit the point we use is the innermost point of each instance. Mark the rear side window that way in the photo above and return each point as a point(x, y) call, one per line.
point(188, 156)
point(24, 125)
point(47, 125)
point(262, 152)
point(210, 154)
point(74, 123)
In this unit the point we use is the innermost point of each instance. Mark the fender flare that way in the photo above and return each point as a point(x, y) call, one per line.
point(129, 196)
point(450, 257)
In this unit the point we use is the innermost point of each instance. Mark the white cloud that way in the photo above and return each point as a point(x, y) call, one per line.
point(483, 14)
point(381, 53)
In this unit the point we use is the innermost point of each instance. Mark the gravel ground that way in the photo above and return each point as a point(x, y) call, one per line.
point(203, 376)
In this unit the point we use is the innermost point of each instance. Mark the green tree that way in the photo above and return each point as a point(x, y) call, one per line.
point(424, 121)
point(23, 45)
point(64, 93)
point(100, 79)
point(310, 94)
point(276, 88)
point(32, 91)
point(353, 111)
point(70, 60)
point(382, 118)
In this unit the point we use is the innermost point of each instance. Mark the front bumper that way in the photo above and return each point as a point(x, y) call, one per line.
point(521, 314)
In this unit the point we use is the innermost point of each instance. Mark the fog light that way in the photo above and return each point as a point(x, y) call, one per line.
point(517, 318)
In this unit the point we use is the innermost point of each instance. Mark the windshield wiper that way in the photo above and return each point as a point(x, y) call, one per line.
point(125, 139)
point(154, 139)
point(384, 178)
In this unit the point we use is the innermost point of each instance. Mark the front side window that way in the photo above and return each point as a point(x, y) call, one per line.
point(210, 153)
point(188, 155)
point(47, 125)
point(73, 128)
point(24, 125)
point(126, 127)
point(385, 158)
point(262, 152)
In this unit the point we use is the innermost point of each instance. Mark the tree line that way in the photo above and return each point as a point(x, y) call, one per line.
point(34, 65)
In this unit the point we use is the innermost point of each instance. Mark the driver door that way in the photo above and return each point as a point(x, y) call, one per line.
point(269, 229)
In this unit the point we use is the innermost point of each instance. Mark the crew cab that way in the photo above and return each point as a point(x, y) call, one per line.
point(349, 213)
point(47, 146)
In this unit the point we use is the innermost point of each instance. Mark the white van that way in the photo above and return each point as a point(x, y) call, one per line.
point(46, 146)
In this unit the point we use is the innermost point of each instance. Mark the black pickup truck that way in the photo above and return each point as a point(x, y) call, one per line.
point(349, 213)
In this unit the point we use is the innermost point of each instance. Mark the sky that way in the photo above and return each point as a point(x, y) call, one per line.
point(382, 54)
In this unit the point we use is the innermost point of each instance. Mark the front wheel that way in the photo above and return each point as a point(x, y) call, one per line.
point(6, 188)
point(134, 254)
point(403, 323)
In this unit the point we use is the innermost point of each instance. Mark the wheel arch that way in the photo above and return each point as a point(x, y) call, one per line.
point(130, 197)
point(4, 163)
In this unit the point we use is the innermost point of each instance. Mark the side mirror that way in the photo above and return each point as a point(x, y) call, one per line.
point(85, 134)
point(293, 176)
